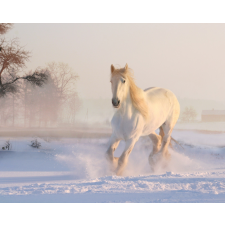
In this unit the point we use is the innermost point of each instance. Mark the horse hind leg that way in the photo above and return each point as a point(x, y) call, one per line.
point(156, 141)
point(166, 131)
point(167, 128)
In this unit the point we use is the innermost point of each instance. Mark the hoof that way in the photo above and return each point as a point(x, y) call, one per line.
point(120, 170)
point(119, 173)
point(159, 161)
point(155, 157)
point(113, 164)
point(154, 160)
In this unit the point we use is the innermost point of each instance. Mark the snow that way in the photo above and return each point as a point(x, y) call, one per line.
point(75, 170)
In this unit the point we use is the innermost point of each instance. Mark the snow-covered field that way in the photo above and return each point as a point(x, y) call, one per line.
point(75, 170)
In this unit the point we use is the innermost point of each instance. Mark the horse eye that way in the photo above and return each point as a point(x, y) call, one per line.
point(124, 81)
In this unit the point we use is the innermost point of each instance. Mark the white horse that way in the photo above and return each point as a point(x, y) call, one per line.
point(139, 113)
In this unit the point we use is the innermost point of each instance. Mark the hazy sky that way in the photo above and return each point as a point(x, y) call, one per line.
point(188, 59)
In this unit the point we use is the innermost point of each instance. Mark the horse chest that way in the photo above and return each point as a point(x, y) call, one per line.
point(125, 128)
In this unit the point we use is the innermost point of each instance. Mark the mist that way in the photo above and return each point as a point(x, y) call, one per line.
point(51, 105)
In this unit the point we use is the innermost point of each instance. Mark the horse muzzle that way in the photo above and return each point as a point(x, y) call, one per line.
point(116, 102)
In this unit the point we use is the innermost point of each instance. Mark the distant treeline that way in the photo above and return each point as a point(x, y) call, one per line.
point(51, 105)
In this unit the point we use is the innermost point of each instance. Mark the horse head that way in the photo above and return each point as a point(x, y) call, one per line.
point(119, 85)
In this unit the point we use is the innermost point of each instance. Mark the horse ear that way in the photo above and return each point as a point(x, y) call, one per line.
point(126, 66)
point(112, 68)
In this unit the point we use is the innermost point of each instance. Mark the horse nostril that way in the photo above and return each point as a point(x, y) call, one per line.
point(115, 102)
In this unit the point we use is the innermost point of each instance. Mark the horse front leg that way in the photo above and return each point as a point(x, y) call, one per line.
point(113, 144)
point(123, 159)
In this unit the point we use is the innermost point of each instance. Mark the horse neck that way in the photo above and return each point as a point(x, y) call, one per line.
point(127, 108)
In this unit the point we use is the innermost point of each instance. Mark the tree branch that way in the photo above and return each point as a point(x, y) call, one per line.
point(37, 79)
point(4, 27)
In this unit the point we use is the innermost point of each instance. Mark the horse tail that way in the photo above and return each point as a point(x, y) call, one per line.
point(161, 133)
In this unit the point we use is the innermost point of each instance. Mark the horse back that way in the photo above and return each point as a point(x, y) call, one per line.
point(159, 93)
point(161, 99)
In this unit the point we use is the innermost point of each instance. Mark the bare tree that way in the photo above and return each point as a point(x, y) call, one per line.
point(14, 57)
point(65, 80)
point(189, 114)
point(64, 77)
point(4, 27)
